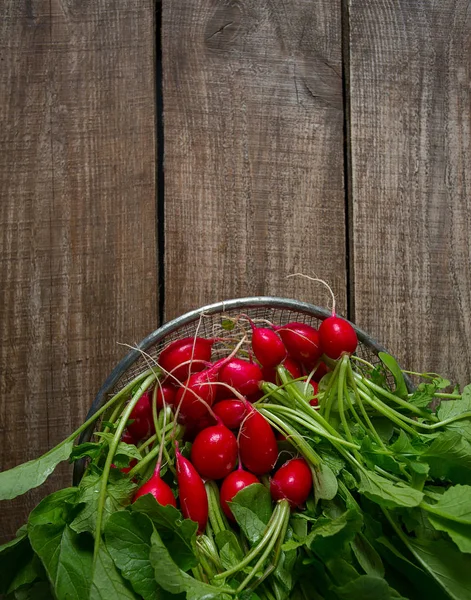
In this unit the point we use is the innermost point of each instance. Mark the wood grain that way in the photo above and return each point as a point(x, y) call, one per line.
point(253, 117)
point(77, 214)
point(411, 149)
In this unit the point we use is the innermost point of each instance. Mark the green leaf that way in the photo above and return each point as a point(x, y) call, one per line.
point(32, 570)
point(330, 537)
point(367, 587)
point(127, 536)
point(176, 581)
point(367, 557)
point(66, 557)
point(178, 534)
point(107, 583)
point(120, 490)
point(453, 408)
point(54, 509)
point(40, 590)
point(386, 493)
point(325, 483)
point(252, 509)
point(124, 452)
point(449, 457)
point(459, 533)
point(33, 473)
point(454, 504)
point(14, 555)
point(391, 364)
point(452, 514)
point(86, 450)
point(421, 581)
point(450, 568)
point(230, 552)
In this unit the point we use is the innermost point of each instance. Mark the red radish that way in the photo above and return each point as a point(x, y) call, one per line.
point(319, 373)
point(127, 437)
point(231, 412)
point(301, 341)
point(267, 346)
point(292, 366)
point(214, 452)
point(315, 386)
point(193, 352)
point(257, 443)
point(141, 415)
point(166, 393)
point(131, 465)
point(197, 388)
point(158, 488)
point(233, 483)
point(243, 376)
point(192, 493)
point(292, 481)
point(269, 374)
point(337, 337)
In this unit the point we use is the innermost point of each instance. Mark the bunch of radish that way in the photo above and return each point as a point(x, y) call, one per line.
point(232, 443)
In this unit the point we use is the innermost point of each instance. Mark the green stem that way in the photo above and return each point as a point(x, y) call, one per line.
point(280, 526)
point(340, 397)
point(151, 455)
point(255, 551)
point(399, 401)
point(216, 518)
point(109, 459)
point(359, 401)
point(103, 409)
point(295, 438)
point(308, 423)
point(450, 396)
point(388, 412)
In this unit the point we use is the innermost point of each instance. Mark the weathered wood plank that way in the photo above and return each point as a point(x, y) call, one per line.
point(411, 149)
point(253, 117)
point(77, 214)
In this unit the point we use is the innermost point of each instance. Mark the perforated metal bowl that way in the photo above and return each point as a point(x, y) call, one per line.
point(206, 320)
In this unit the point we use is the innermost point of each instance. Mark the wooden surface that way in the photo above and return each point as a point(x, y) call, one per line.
point(410, 97)
point(253, 118)
point(77, 215)
point(331, 138)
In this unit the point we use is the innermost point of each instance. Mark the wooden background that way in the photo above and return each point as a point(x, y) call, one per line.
point(157, 157)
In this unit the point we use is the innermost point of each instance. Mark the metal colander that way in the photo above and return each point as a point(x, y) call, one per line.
point(208, 321)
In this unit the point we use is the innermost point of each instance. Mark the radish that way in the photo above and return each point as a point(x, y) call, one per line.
point(193, 352)
point(127, 438)
point(292, 366)
point(293, 482)
point(166, 393)
point(302, 341)
point(267, 346)
point(214, 452)
point(233, 483)
point(196, 395)
point(315, 387)
point(158, 488)
point(192, 493)
point(231, 412)
point(245, 377)
point(337, 337)
point(257, 443)
point(141, 415)
point(320, 371)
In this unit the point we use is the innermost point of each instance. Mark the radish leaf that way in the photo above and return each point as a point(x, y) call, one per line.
point(107, 582)
point(127, 537)
point(386, 493)
point(25, 477)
